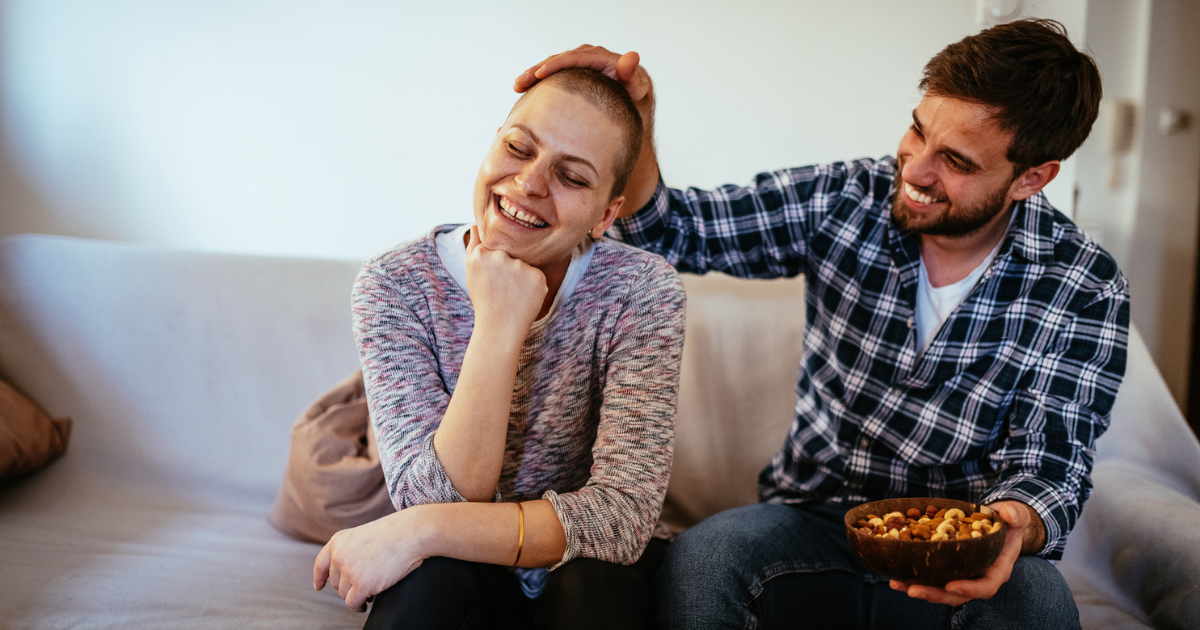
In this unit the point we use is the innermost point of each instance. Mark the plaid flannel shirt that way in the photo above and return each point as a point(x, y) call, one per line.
point(1006, 402)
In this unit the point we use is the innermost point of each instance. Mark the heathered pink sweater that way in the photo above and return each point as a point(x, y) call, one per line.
point(591, 426)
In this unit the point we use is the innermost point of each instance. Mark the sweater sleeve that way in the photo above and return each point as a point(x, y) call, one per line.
point(612, 516)
point(406, 395)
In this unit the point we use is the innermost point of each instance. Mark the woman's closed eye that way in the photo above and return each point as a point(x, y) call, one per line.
point(573, 180)
point(518, 151)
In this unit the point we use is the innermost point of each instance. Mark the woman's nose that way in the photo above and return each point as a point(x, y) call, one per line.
point(532, 179)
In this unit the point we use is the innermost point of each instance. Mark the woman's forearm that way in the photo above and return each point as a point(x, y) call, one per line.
point(365, 560)
point(470, 439)
point(506, 294)
point(491, 532)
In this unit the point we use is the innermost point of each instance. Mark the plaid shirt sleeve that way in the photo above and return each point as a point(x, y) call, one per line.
point(754, 231)
point(1061, 407)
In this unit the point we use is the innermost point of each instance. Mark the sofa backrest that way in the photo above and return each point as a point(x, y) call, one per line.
point(180, 369)
point(186, 369)
point(189, 368)
point(737, 391)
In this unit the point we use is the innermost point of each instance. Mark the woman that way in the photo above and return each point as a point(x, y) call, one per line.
point(521, 375)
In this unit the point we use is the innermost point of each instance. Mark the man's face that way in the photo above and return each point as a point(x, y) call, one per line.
point(952, 172)
point(547, 177)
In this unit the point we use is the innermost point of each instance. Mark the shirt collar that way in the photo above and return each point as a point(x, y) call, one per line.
point(1032, 234)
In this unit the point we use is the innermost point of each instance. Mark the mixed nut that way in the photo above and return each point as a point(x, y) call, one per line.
point(932, 525)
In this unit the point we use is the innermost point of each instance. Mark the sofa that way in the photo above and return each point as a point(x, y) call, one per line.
point(183, 372)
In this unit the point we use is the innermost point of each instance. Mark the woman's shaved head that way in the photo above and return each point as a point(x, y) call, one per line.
point(610, 97)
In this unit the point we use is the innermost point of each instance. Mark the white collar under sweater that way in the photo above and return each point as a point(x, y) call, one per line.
point(454, 256)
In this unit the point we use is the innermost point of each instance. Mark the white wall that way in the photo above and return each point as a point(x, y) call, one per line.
point(339, 129)
point(1149, 55)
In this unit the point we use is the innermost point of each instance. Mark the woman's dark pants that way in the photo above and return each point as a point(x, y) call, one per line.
point(582, 594)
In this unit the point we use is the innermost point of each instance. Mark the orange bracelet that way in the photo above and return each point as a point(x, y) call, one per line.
point(521, 535)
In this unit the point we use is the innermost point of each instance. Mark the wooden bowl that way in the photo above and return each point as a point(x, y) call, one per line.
point(921, 561)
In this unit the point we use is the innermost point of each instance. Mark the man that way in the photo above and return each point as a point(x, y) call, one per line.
point(964, 340)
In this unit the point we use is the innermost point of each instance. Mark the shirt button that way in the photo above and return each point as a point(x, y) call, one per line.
point(864, 442)
point(910, 322)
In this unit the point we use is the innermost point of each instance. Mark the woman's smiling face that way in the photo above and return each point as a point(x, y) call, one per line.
point(547, 179)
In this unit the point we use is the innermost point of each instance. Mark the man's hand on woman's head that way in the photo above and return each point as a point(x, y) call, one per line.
point(506, 292)
point(623, 68)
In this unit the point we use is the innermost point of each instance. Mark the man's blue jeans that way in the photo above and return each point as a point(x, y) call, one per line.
point(789, 566)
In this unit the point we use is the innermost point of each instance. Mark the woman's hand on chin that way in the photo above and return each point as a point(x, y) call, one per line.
point(507, 293)
point(366, 560)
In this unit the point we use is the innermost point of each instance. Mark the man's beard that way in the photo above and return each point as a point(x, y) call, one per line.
point(953, 221)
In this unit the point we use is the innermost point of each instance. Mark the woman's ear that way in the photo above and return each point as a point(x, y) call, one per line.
point(606, 219)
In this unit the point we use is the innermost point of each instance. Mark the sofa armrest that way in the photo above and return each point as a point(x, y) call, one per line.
point(1138, 543)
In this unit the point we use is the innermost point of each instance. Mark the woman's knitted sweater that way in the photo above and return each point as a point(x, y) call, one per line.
point(591, 425)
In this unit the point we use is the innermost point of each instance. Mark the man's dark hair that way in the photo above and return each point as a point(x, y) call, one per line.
point(1037, 84)
point(610, 97)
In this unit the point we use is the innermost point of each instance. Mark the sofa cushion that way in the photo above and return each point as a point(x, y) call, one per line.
point(29, 437)
point(86, 553)
point(333, 480)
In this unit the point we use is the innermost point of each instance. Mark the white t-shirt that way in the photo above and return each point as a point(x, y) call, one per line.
point(454, 256)
point(934, 305)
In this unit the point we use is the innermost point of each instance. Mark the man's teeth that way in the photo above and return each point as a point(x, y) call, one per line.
point(520, 215)
point(916, 196)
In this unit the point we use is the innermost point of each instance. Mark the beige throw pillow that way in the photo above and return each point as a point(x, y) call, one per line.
point(333, 480)
point(29, 437)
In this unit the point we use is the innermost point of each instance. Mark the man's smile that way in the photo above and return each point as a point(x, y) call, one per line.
point(919, 197)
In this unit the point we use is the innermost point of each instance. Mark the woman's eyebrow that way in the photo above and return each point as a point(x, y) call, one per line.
point(566, 157)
